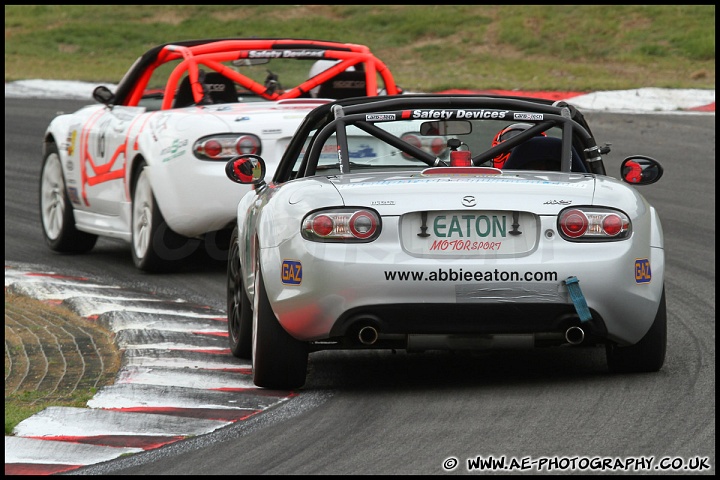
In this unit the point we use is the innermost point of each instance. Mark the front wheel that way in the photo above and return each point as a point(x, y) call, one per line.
point(648, 355)
point(279, 361)
point(56, 211)
point(239, 310)
point(155, 247)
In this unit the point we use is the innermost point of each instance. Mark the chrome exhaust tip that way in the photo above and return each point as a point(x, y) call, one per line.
point(574, 335)
point(368, 335)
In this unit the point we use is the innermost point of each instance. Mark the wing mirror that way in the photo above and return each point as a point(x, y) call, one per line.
point(640, 170)
point(246, 169)
point(446, 127)
point(103, 95)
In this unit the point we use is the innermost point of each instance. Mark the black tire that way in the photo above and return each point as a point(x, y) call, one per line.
point(155, 247)
point(56, 211)
point(239, 310)
point(279, 360)
point(648, 355)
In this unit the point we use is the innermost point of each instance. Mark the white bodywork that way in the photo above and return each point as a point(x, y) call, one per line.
point(99, 147)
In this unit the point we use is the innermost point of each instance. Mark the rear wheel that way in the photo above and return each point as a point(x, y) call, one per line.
point(56, 211)
point(279, 360)
point(155, 247)
point(239, 310)
point(648, 355)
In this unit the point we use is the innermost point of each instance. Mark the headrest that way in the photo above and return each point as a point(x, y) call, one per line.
point(541, 153)
point(345, 84)
point(219, 88)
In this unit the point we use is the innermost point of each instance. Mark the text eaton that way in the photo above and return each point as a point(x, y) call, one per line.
point(469, 226)
point(458, 114)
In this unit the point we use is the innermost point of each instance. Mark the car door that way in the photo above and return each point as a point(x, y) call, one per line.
point(104, 158)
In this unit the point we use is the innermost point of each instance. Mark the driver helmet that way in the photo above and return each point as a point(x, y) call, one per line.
point(319, 67)
point(505, 134)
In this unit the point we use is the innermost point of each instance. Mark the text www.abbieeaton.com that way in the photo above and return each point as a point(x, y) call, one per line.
point(460, 275)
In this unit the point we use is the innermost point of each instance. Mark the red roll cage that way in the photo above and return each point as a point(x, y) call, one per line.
point(212, 52)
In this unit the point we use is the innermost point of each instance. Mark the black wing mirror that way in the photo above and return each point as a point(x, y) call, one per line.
point(640, 170)
point(246, 169)
point(103, 95)
point(446, 127)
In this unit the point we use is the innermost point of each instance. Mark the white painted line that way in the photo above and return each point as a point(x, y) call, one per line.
point(153, 396)
point(85, 422)
point(30, 450)
point(202, 379)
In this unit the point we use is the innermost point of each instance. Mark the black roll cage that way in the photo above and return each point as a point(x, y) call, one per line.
point(332, 118)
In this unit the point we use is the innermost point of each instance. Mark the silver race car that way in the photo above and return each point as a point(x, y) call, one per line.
point(455, 222)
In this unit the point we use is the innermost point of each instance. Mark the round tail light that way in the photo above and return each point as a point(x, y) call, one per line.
point(247, 144)
point(212, 148)
point(612, 225)
point(413, 140)
point(362, 225)
point(322, 225)
point(574, 223)
point(437, 146)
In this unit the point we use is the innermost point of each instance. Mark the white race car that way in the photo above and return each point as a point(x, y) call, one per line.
point(146, 164)
point(425, 222)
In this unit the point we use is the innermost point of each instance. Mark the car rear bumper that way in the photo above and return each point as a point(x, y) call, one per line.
point(344, 286)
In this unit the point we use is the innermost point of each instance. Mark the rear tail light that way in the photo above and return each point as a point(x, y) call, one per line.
point(212, 148)
point(248, 144)
point(223, 147)
point(433, 145)
point(437, 146)
point(342, 225)
point(413, 140)
point(593, 224)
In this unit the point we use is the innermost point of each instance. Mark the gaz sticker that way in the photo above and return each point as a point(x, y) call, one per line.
point(642, 271)
point(291, 272)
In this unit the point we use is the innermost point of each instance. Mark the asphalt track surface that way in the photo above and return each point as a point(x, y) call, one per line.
point(379, 413)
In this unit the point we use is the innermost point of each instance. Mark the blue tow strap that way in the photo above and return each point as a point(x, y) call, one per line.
point(573, 286)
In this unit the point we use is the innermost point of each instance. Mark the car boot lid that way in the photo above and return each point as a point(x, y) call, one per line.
point(539, 192)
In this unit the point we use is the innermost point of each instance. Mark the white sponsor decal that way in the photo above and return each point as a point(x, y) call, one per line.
point(285, 53)
point(378, 117)
point(528, 116)
point(459, 114)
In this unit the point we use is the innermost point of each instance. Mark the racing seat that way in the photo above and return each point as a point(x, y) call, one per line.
point(542, 153)
point(344, 85)
point(218, 88)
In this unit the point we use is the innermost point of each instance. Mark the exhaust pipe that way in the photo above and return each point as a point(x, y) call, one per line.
point(368, 335)
point(574, 335)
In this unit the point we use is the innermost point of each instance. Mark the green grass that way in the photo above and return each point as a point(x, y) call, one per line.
point(428, 48)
